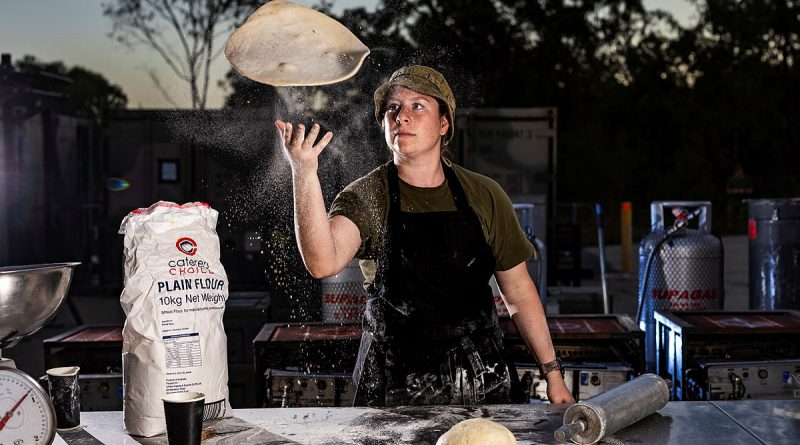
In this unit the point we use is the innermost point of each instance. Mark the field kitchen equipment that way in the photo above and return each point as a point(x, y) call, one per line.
point(773, 226)
point(717, 355)
point(589, 421)
point(680, 268)
point(740, 380)
point(29, 298)
point(97, 350)
point(599, 352)
point(584, 380)
point(321, 351)
point(289, 389)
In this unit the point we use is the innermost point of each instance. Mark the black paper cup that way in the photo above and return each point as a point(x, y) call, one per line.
point(65, 393)
point(184, 415)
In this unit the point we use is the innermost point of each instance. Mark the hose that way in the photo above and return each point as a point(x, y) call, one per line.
point(669, 234)
point(538, 257)
point(739, 390)
point(539, 265)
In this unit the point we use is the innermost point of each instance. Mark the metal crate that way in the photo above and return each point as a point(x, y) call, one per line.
point(584, 381)
point(684, 340)
point(96, 349)
point(307, 347)
point(741, 380)
point(585, 339)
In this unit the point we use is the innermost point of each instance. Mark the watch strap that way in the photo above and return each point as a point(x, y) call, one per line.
point(546, 368)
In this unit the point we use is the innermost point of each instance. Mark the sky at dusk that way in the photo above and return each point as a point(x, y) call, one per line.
point(76, 33)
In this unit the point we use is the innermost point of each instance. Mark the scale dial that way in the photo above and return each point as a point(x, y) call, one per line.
point(26, 414)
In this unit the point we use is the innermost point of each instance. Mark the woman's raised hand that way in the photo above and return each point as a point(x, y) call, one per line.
point(301, 150)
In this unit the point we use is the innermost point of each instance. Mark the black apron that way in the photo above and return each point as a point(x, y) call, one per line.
point(430, 327)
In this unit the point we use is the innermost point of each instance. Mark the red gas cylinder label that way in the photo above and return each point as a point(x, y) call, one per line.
point(685, 299)
point(752, 231)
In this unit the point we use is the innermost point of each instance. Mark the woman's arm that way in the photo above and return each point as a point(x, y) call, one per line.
point(525, 308)
point(326, 245)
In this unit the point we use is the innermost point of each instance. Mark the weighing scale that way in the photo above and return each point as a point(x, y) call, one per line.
point(29, 298)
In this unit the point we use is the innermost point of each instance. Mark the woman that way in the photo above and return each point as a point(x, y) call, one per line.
point(434, 233)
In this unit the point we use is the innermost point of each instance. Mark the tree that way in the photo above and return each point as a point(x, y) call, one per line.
point(89, 94)
point(747, 52)
point(196, 26)
point(657, 110)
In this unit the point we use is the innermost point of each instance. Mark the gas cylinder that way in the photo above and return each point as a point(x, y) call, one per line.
point(343, 295)
point(680, 268)
point(773, 229)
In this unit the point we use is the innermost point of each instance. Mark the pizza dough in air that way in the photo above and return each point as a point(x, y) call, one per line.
point(286, 44)
point(477, 432)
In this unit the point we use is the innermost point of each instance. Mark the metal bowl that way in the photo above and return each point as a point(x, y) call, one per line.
point(29, 298)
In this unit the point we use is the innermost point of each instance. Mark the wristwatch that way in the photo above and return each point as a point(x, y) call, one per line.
point(545, 368)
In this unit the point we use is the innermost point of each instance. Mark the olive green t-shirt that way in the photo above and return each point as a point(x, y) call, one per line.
point(366, 202)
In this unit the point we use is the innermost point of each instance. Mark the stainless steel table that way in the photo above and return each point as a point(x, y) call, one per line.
point(731, 423)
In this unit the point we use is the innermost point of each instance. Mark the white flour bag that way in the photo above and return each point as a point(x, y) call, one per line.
point(174, 298)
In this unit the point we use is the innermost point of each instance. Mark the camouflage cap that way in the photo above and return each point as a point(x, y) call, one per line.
point(421, 79)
